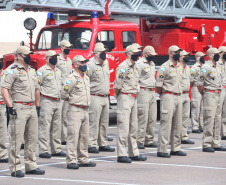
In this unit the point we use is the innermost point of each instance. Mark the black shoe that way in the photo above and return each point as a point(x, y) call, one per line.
point(18, 173)
point(64, 143)
point(188, 141)
point(22, 147)
point(188, 132)
point(196, 131)
point(138, 158)
point(140, 146)
point(124, 159)
point(178, 153)
point(152, 145)
point(45, 155)
point(220, 148)
point(201, 130)
point(209, 149)
point(93, 150)
point(110, 139)
point(36, 171)
point(89, 164)
point(161, 154)
point(60, 154)
point(106, 149)
point(223, 138)
point(72, 166)
point(3, 160)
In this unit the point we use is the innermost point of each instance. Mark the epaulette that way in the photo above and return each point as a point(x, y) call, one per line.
point(13, 67)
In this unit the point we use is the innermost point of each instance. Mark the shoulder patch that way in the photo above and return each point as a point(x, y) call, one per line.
point(15, 66)
point(66, 87)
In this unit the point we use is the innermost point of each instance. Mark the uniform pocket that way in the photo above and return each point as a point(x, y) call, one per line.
point(164, 114)
point(120, 116)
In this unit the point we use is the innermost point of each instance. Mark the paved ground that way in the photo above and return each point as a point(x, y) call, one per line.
point(197, 168)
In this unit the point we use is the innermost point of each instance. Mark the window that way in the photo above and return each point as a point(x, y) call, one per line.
point(128, 38)
point(49, 39)
point(107, 38)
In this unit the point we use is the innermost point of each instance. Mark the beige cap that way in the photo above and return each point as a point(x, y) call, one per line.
point(1, 56)
point(149, 49)
point(213, 51)
point(222, 49)
point(184, 53)
point(99, 48)
point(23, 50)
point(99, 44)
point(200, 54)
point(132, 48)
point(137, 45)
point(78, 58)
point(51, 53)
point(174, 48)
point(65, 43)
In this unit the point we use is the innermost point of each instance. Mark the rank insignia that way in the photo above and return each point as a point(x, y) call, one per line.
point(123, 70)
point(202, 77)
point(203, 70)
point(66, 87)
point(39, 73)
point(50, 74)
point(161, 76)
point(163, 69)
point(32, 72)
point(68, 82)
point(10, 72)
point(121, 75)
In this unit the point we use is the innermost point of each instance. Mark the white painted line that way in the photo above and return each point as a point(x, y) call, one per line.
point(71, 180)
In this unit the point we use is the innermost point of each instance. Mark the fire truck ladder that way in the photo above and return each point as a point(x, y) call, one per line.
point(211, 9)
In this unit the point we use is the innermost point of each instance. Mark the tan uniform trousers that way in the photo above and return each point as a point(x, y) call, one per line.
point(78, 135)
point(196, 109)
point(170, 122)
point(127, 125)
point(98, 121)
point(223, 103)
point(212, 119)
point(49, 126)
point(3, 132)
point(185, 115)
point(26, 125)
point(64, 121)
point(147, 115)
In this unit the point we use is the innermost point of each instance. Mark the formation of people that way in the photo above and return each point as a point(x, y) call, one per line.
point(66, 102)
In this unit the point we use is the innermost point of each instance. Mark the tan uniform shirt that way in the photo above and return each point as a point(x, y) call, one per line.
point(185, 83)
point(99, 77)
point(146, 73)
point(76, 89)
point(169, 77)
point(22, 83)
point(127, 78)
point(49, 81)
point(221, 66)
point(210, 77)
point(65, 67)
point(194, 73)
point(2, 78)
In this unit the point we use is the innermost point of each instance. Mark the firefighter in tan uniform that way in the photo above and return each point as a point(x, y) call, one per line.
point(185, 83)
point(76, 91)
point(99, 75)
point(23, 83)
point(196, 98)
point(146, 100)
point(65, 65)
point(3, 121)
point(49, 79)
point(209, 85)
point(168, 86)
point(221, 65)
point(126, 89)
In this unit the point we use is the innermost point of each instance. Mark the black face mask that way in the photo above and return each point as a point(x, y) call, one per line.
point(140, 53)
point(150, 58)
point(202, 60)
point(27, 59)
point(83, 68)
point(186, 59)
point(66, 51)
point(103, 56)
point(1, 65)
point(176, 56)
point(224, 56)
point(134, 57)
point(216, 57)
point(53, 61)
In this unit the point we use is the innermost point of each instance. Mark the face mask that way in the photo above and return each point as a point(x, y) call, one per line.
point(1, 65)
point(216, 57)
point(139, 53)
point(134, 57)
point(202, 60)
point(53, 61)
point(103, 56)
point(224, 56)
point(27, 59)
point(186, 59)
point(83, 68)
point(66, 51)
point(176, 57)
point(150, 58)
